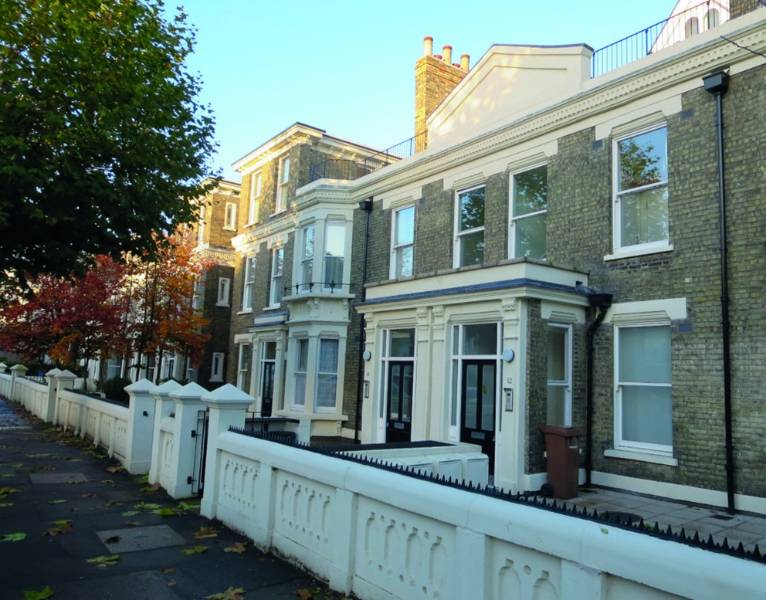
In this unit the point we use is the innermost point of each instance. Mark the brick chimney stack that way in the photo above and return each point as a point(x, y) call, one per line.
point(435, 78)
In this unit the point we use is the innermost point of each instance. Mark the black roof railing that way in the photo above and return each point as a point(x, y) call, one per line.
point(326, 287)
point(615, 519)
point(660, 35)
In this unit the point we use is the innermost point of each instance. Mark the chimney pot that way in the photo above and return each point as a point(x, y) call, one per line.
point(447, 53)
point(428, 45)
point(465, 61)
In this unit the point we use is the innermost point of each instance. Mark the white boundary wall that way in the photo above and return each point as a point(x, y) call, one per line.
point(386, 535)
point(105, 423)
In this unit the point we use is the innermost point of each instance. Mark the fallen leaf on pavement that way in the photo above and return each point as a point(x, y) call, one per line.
point(146, 506)
point(304, 594)
point(60, 526)
point(132, 524)
point(104, 560)
point(7, 491)
point(13, 537)
point(88, 495)
point(237, 548)
point(57, 501)
point(42, 594)
point(115, 469)
point(168, 570)
point(231, 593)
point(131, 513)
point(108, 481)
point(204, 533)
point(188, 506)
point(165, 512)
point(5, 504)
point(172, 583)
point(195, 550)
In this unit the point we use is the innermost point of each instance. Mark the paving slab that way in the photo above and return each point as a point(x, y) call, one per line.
point(134, 539)
point(59, 478)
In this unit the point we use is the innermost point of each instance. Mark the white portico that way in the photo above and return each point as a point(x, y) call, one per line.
point(447, 357)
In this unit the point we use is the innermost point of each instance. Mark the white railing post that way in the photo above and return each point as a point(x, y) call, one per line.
point(140, 426)
point(228, 408)
point(163, 406)
point(188, 403)
point(49, 411)
point(16, 372)
point(64, 380)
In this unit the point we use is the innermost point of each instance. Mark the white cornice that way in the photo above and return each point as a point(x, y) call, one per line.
point(640, 79)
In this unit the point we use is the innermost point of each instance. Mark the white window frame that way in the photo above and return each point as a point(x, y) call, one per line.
point(170, 366)
point(385, 359)
point(275, 287)
point(512, 215)
point(636, 249)
point(454, 422)
point(457, 234)
point(283, 178)
point(224, 287)
point(230, 217)
point(242, 372)
point(568, 364)
point(336, 373)
point(395, 247)
point(256, 189)
point(325, 284)
point(248, 284)
point(264, 361)
point(297, 371)
point(619, 442)
point(305, 286)
point(198, 292)
point(216, 374)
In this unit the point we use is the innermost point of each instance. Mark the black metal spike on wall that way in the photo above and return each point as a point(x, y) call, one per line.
point(527, 498)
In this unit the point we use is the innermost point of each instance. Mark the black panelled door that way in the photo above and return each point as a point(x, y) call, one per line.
point(399, 423)
point(267, 389)
point(478, 406)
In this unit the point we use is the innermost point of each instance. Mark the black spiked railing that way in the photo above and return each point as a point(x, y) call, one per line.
point(527, 498)
point(662, 34)
point(327, 287)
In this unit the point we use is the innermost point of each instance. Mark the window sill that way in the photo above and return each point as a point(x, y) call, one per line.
point(272, 307)
point(628, 253)
point(246, 311)
point(660, 459)
point(229, 228)
point(277, 213)
point(222, 304)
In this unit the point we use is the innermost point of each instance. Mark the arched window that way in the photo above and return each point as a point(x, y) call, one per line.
point(712, 18)
point(692, 27)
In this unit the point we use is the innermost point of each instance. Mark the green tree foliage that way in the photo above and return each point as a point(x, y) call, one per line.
point(103, 140)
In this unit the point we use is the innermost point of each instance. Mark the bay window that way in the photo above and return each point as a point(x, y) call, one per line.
point(301, 366)
point(529, 208)
point(327, 374)
point(307, 258)
point(641, 192)
point(335, 249)
point(469, 227)
point(643, 389)
point(402, 242)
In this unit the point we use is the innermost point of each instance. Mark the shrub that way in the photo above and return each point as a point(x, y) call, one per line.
point(114, 389)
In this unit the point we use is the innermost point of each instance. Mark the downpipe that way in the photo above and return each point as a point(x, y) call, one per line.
point(717, 85)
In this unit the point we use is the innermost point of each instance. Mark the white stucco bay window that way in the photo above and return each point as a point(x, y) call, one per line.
point(528, 210)
point(402, 242)
point(640, 189)
point(301, 367)
point(307, 259)
point(327, 374)
point(643, 389)
point(334, 253)
point(469, 227)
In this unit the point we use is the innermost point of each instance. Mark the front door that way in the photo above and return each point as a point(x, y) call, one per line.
point(399, 422)
point(478, 406)
point(267, 388)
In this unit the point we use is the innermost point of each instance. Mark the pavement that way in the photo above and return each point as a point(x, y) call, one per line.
point(74, 525)
point(748, 528)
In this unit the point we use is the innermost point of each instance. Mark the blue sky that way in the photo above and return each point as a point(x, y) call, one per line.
point(348, 67)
